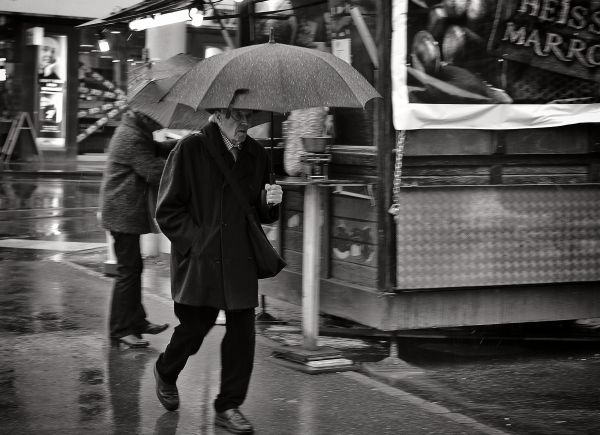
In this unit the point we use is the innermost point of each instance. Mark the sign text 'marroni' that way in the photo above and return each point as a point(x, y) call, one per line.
point(562, 35)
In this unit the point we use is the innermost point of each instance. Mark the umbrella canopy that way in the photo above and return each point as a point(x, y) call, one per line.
point(150, 80)
point(149, 83)
point(174, 115)
point(272, 77)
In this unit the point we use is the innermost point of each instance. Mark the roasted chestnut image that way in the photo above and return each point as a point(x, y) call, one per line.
point(425, 53)
point(446, 56)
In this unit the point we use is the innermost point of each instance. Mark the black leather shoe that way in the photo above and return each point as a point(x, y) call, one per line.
point(234, 421)
point(131, 340)
point(153, 328)
point(167, 394)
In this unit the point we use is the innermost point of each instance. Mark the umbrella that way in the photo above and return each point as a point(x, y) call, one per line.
point(272, 77)
point(149, 83)
point(275, 78)
point(173, 115)
point(148, 73)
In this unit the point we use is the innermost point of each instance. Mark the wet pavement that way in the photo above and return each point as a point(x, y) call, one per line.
point(59, 373)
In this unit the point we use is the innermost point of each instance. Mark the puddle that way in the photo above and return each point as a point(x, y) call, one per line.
point(34, 323)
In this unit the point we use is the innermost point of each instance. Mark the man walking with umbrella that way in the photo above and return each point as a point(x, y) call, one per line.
point(212, 267)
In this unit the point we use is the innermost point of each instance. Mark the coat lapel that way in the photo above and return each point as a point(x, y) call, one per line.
point(243, 168)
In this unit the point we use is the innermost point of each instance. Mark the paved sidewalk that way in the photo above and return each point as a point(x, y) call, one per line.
point(59, 373)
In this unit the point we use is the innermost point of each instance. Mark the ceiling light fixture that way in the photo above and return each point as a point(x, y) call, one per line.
point(103, 45)
point(197, 17)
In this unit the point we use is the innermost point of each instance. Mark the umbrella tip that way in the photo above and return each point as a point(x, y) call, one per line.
point(272, 36)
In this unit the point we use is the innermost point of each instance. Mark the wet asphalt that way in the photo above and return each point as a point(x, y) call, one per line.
point(59, 374)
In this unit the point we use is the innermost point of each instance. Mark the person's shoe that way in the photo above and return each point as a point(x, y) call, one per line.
point(131, 340)
point(153, 328)
point(167, 394)
point(234, 421)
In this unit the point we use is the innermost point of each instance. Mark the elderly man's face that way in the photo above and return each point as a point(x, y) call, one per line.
point(235, 127)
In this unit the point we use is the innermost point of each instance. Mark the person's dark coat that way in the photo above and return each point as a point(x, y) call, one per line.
point(211, 259)
point(133, 167)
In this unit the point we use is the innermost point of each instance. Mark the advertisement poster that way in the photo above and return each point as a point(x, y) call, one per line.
point(52, 67)
point(495, 64)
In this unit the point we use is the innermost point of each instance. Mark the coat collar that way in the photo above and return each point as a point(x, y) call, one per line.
point(212, 132)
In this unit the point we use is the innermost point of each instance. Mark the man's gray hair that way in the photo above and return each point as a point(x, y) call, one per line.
point(213, 115)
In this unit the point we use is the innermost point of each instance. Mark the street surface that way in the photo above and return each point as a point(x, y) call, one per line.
point(60, 375)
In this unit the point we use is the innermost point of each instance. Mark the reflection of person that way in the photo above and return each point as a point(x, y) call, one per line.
point(124, 384)
point(212, 267)
point(133, 167)
point(48, 59)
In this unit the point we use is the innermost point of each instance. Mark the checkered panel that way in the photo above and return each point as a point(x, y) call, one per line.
point(455, 237)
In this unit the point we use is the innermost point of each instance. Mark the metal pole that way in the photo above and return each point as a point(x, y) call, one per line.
point(271, 171)
point(311, 258)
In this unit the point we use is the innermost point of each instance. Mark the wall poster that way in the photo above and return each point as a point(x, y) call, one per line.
point(495, 64)
point(52, 68)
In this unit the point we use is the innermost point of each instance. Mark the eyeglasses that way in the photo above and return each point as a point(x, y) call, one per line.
point(239, 115)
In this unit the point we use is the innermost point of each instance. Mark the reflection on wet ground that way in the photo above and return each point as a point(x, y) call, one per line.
point(49, 209)
point(48, 194)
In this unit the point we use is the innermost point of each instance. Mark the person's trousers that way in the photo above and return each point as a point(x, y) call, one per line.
point(127, 314)
point(237, 350)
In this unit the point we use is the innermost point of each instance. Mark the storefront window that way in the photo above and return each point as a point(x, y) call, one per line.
point(103, 82)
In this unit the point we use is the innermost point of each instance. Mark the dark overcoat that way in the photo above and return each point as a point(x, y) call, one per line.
point(211, 259)
point(132, 168)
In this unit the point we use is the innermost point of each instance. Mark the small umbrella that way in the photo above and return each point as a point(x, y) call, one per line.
point(147, 74)
point(150, 82)
point(173, 115)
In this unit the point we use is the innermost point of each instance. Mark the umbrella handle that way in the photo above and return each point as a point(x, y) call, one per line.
point(271, 171)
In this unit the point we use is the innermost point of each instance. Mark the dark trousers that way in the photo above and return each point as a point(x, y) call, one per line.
point(237, 350)
point(127, 315)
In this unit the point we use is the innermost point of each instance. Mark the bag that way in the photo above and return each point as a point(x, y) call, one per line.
point(268, 261)
point(151, 198)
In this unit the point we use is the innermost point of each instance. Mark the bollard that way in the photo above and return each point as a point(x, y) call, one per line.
point(149, 244)
point(164, 244)
point(110, 265)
